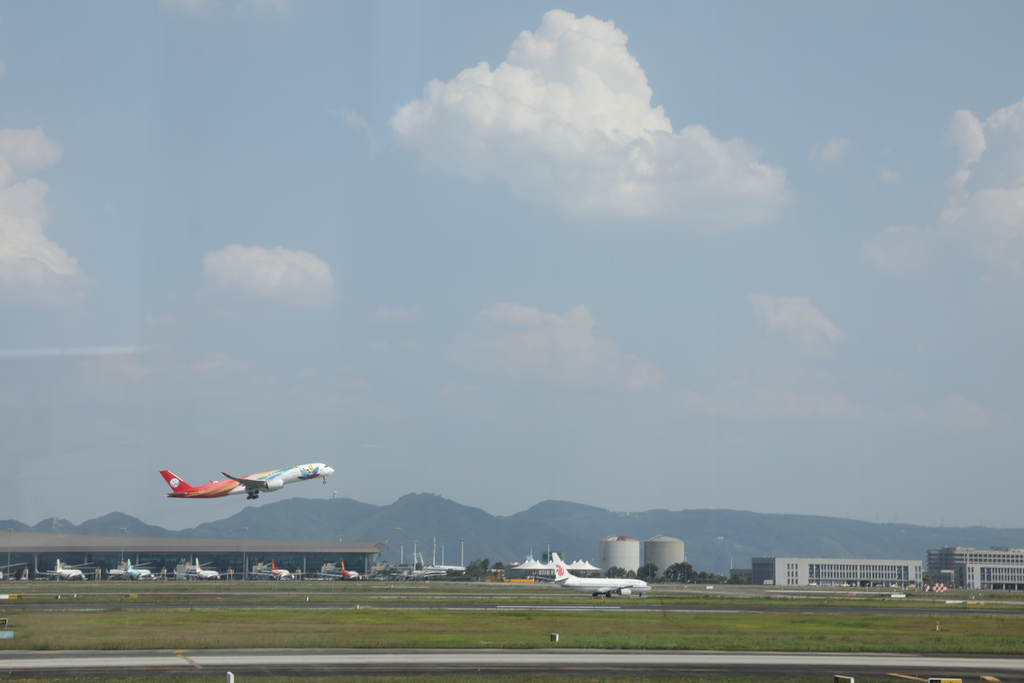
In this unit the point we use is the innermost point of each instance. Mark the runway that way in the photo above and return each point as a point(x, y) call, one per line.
point(560, 661)
point(586, 604)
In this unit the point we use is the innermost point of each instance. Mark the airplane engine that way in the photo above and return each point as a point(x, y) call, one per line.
point(625, 591)
point(275, 484)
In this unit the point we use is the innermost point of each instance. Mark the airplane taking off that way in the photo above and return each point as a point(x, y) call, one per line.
point(252, 485)
point(599, 587)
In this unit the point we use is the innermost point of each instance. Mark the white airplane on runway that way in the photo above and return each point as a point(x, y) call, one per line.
point(599, 587)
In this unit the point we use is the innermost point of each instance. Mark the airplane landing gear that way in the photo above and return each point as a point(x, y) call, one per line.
point(253, 495)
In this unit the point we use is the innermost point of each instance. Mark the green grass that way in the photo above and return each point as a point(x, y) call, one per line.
point(433, 678)
point(284, 593)
point(133, 629)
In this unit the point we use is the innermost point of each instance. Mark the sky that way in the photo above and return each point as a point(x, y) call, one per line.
point(766, 257)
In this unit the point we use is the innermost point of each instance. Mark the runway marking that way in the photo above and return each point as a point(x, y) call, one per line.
point(178, 652)
point(51, 652)
point(188, 660)
point(910, 678)
point(991, 679)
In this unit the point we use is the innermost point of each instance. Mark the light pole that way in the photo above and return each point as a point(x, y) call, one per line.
point(414, 553)
point(549, 551)
point(401, 553)
point(463, 560)
point(122, 544)
point(398, 530)
point(442, 553)
point(8, 567)
point(245, 563)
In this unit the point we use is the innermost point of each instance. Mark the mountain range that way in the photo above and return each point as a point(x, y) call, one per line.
point(714, 538)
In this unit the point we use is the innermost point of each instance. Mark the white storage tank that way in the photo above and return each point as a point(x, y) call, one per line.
point(619, 551)
point(664, 551)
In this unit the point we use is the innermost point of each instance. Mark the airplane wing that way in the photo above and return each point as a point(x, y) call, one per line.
point(249, 484)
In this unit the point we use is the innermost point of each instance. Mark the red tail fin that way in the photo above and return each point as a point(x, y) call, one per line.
point(177, 484)
point(272, 567)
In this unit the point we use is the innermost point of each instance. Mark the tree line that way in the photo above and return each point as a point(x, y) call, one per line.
point(680, 572)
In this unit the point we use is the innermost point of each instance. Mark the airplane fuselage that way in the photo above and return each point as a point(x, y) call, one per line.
point(251, 485)
point(606, 587)
point(62, 574)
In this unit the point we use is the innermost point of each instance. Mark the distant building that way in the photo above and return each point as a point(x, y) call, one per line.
point(40, 553)
point(997, 568)
point(533, 569)
point(619, 551)
point(746, 574)
point(664, 551)
point(529, 569)
point(822, 571)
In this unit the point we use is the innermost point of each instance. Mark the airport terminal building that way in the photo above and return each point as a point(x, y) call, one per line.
point(39, 552)
point(997, 568)
point(822, 571)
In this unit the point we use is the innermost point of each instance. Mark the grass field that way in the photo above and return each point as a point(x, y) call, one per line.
point(284, 593)
point(142, 628)
point(436, 678)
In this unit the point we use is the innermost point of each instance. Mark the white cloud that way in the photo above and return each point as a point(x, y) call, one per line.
point(966, 134)
point(804, 325)
point(831, 152)
point(513, 314)
point(889, 175)
point(558, 349)
point(32, 267)
point(292, 277)
point(567, 120)
point(353, 119)
point(899, 249)
point(985, 212)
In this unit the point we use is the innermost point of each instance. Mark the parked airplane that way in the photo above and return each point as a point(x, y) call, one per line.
point(262, 571)
point(7, 568)
point(330, 571)
point(60, 572)
point(194, 571)
point(280, 574)
point(252, 485)
point(598, 587)
point(127, 571)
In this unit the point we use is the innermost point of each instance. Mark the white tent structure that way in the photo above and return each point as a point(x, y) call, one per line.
point(582, 566)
